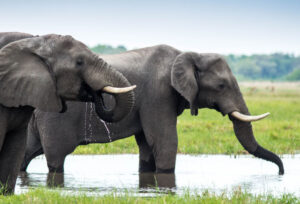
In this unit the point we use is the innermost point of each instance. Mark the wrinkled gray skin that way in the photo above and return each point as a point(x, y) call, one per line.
point(168, 82)
point(42, 72)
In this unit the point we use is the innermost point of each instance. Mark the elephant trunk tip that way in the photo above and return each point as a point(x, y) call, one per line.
point(262, 153)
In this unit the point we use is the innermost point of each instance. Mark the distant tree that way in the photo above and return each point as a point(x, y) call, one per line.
point(276, 66)
point(294, 76)
point(108, 49)
point(264, 67)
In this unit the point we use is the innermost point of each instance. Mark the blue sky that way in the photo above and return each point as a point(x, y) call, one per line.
point(229, 26)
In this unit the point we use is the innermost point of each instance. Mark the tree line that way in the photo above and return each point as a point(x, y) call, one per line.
point(276, 67)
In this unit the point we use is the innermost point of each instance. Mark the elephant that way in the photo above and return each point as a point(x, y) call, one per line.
point(169, 81)
point(43, 72)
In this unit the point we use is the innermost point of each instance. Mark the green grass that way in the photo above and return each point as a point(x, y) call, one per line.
point(53, 196)
point(211, 133)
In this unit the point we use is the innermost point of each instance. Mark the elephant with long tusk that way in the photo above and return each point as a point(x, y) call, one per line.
point(168, 82)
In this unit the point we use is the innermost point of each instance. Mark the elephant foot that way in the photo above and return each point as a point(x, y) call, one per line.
point(147, 166)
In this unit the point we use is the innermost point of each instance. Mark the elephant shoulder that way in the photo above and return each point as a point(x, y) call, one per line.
point(163, 57)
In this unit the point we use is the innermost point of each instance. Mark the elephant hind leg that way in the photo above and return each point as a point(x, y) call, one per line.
point(29, 155)
point(146, 161)
point(34, 147)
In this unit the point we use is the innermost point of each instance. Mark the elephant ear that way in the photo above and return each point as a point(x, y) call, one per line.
point(25, 78)
point(183, 78)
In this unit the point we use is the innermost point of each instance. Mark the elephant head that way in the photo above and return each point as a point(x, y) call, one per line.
point(206, 81)
point(44, 71)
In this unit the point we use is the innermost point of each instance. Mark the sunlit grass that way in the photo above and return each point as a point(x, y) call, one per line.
point(54, 196)
point(211, 133)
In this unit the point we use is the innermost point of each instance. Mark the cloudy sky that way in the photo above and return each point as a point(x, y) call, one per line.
point(228, 26)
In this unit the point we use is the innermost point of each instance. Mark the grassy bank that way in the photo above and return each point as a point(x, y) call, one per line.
point(48, 196)
point(211, 133)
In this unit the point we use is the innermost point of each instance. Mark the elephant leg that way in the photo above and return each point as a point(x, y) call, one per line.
point(30, 154)
point(55, 163)
point(56, 149)
point(159, 127)
point(11, 156)
point(56, 154)
point(146, 161)
point(33, 146)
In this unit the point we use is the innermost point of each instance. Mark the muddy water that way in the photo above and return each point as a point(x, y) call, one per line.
point(101, 174)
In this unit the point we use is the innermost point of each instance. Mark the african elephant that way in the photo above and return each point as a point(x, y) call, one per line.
point(169, 81)
point(43, 72)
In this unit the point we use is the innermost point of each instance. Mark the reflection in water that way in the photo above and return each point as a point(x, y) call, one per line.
point(161, 183)
point(55, 180)
point(25, 180)
point(102, 174)
point(156, 180)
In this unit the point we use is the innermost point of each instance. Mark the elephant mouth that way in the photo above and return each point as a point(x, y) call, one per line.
point(216, 107)
point(119, 101)
point(85, 93)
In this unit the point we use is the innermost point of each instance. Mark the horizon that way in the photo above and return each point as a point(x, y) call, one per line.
point(225, 27)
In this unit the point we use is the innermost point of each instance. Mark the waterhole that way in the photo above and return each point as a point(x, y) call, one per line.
point(104, 174)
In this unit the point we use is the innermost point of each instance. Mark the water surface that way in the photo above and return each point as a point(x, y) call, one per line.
point(102, 174)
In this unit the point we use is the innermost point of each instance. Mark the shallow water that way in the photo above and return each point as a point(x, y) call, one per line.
point(102, 174)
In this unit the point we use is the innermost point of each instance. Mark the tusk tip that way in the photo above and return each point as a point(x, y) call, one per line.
point(133, 87)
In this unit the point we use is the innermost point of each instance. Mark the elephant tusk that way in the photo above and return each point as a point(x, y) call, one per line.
point(116, 90)
point(248, 118)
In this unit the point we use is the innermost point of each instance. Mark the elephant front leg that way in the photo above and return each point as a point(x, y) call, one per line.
point(55, 162)
point(11, 156)
point(159, 127)
point(146, 160)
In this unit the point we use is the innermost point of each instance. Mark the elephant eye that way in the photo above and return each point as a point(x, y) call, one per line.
point(79, 62)
point(221, 86)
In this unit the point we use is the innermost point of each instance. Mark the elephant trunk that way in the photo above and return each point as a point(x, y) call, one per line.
point(110, 78)
point(244, 133)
